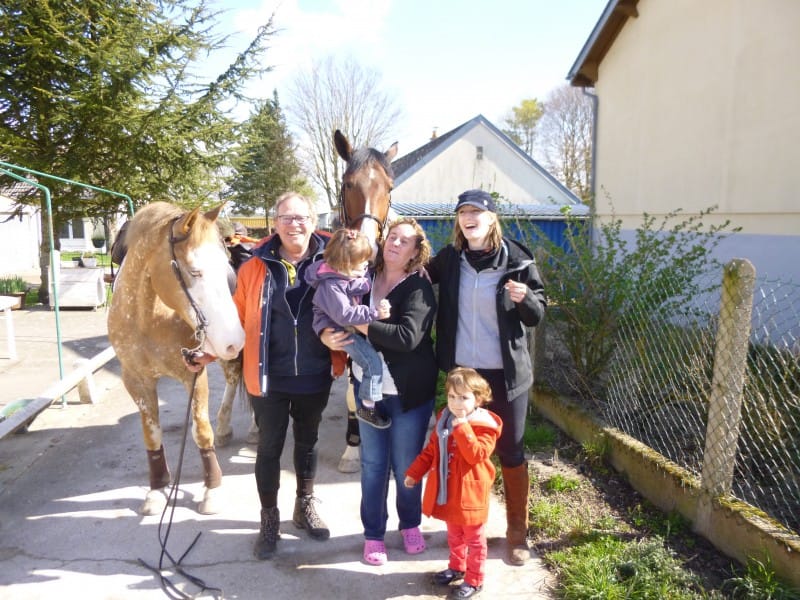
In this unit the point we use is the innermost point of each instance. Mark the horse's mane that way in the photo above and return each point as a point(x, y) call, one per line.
point(364, 156)
point(145, 221)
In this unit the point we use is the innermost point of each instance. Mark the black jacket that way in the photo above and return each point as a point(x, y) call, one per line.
point(445, 269)
point(405, 340)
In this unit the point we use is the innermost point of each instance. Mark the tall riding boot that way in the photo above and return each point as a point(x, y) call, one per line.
point(516, 483)
point(270, 532)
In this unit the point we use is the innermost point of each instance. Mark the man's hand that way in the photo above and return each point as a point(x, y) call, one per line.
point(196, 360)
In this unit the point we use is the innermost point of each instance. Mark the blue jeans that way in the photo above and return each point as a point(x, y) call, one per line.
point(391, 451)
point(366, 357)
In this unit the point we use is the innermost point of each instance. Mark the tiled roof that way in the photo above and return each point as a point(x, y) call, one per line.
point(446, 210)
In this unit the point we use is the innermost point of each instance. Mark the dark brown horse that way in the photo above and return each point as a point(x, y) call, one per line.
point(365, 204)
point(365, 201)
point(172, 293)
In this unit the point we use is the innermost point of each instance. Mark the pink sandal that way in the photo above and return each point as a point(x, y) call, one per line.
point(413, 540)
point(375, 552)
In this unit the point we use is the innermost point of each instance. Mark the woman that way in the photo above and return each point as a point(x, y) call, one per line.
point(409, 386)
point(489, 292)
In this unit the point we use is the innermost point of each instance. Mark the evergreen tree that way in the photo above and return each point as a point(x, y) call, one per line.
point(265, 165)
point(111, 93)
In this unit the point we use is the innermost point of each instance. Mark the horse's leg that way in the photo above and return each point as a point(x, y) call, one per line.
point(203, 436)
point(145, 396)
point(350, 462)
point(232, 372)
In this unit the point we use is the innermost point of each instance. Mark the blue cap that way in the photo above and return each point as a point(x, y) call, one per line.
point(476, 198)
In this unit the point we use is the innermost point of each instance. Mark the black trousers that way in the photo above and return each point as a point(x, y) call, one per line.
point(272, 414)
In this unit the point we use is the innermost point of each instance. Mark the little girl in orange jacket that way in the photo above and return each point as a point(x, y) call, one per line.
point(466, 434)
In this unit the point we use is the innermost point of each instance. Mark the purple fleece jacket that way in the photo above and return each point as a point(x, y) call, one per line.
point(337, 299)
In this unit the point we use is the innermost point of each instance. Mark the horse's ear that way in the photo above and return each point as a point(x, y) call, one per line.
point(188, 221)
point(391, 152)
point(342, 146)
point(213, 214)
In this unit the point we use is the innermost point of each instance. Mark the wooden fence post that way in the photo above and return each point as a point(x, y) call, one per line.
point(725, 401)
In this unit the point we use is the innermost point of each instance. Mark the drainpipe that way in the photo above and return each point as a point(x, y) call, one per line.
point(593, 183)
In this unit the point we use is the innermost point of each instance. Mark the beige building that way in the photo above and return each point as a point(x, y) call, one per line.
point(698, 104)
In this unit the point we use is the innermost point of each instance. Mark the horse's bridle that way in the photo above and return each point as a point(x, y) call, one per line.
point(348, 223)
point(202, 322)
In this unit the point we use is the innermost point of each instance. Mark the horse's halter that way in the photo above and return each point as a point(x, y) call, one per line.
point(348, 223)
point(202, 322)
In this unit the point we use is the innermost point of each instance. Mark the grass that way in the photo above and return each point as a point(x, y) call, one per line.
point(603, 541)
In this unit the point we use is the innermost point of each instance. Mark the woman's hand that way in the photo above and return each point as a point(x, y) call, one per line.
point(335, 340)
point(408, 482)
point(516, 290)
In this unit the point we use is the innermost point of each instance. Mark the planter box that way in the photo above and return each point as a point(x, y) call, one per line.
point(20, 299)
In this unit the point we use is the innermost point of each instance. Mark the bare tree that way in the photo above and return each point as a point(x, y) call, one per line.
point(338, 94)
point(565, 139)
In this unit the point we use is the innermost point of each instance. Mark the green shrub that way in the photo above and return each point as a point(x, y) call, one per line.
point(598, 284)
point(13, 284)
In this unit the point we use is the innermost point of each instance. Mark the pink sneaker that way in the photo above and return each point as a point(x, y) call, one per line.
point(413, 540)
point(375, 552)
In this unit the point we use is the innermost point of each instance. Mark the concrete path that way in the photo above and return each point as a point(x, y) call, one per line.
point(72, 486)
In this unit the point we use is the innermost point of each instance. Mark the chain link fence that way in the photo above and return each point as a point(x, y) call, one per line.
point(713, 384)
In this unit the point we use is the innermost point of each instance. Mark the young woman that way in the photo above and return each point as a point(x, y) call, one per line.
point(489, 293)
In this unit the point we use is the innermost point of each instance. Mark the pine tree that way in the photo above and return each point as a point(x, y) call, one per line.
point(265, 164)
point(111, 93)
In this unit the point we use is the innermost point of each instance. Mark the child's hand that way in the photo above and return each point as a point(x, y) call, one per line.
point(409, 482)
point(384, 309)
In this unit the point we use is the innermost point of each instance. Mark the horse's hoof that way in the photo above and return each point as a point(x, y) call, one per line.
point(154, 502)
point(350, 461)
point(221, 440)
point(211, 503)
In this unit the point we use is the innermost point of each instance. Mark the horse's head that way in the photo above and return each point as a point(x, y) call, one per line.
point(196, 282)
point(366, 188)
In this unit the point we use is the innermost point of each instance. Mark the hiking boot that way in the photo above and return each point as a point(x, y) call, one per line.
point(373, 417)
point(447, 576)
point(464, 591)
point(306, 517)
point(269, 534)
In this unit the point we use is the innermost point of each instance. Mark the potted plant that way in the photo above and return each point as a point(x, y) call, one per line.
point(88, 259)
point(98, 239)
point(15, 286)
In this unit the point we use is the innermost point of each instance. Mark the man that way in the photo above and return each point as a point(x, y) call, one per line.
point(286, 369)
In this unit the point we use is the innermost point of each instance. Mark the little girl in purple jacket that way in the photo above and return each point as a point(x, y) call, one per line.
point(340, 281)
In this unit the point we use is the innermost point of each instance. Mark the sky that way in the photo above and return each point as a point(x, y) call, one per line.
point(445, 61)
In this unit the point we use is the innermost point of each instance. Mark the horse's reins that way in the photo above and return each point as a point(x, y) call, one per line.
point(202, 322)
point(200, 332)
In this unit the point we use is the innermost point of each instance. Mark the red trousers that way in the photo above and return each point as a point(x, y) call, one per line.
point(467, 551)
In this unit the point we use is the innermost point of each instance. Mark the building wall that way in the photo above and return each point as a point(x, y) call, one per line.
point(457, 168)
point(698, 107)
point(19, 240)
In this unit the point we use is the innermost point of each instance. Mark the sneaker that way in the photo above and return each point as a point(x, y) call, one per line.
point(373, 417)
point(306, 517)
point(270, 533)
point(413, 540)
point(463, 591)
point(447, 576)
point(375, 552)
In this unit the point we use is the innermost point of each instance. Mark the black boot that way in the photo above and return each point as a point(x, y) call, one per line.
point(306, 517)
point(269, 534)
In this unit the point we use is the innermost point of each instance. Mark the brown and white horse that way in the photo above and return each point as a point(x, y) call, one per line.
point(172, 293)
point(365, 204)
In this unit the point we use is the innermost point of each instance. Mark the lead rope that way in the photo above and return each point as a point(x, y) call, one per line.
point(170, 589)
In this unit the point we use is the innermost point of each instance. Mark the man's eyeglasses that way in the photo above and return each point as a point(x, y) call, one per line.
point(288, 219)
